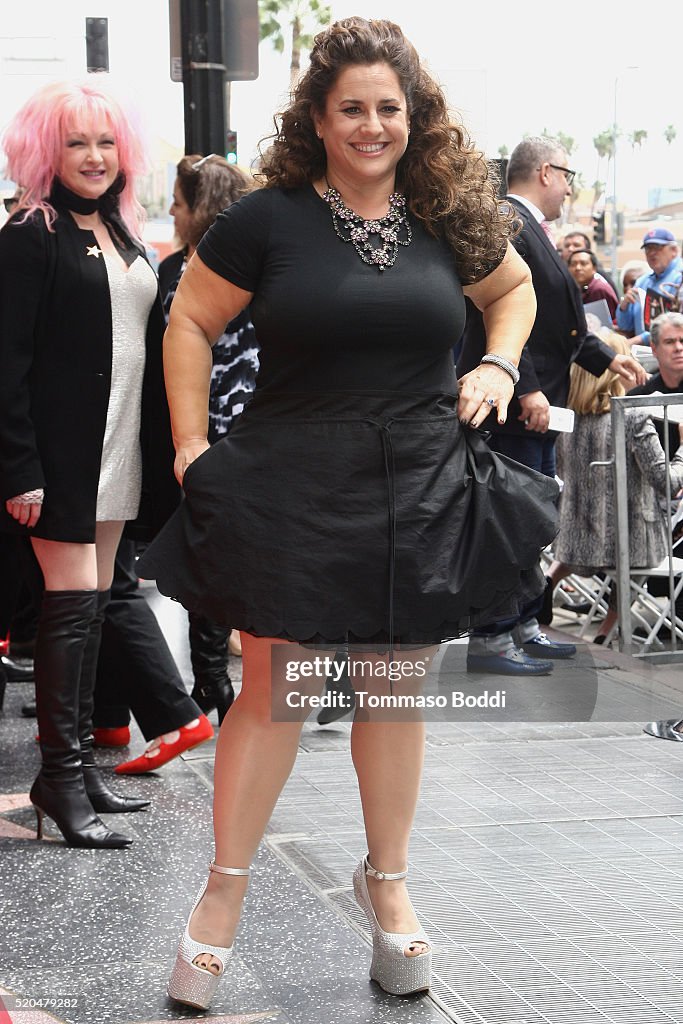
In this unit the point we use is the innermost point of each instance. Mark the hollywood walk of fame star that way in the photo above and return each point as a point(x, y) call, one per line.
point(8, 829)
point(23, 1016)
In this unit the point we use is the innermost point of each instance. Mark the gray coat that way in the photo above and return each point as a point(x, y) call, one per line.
point(587, 520)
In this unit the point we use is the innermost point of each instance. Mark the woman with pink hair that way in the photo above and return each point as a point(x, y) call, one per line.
point(80, 349)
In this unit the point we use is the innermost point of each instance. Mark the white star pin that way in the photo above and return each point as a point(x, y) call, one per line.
point(92, 250)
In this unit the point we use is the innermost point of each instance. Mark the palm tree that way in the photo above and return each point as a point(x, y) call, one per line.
point(503, 151)
point(670, 133)
point(604, 144)
point(598, 189)
point(637, 137)
point(300, 20)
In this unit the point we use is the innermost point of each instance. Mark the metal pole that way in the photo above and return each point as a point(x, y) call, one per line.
point(623, 558)
point(203, 76)
point(614, 183)
point(669, 535)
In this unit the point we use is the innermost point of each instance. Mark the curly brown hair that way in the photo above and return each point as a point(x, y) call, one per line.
point(209, 188)
point(448, 184)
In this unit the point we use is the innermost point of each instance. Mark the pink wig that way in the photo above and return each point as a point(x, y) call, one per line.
point(34, 144)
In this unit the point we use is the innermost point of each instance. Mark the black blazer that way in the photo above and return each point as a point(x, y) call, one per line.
point(559, 336)
point(55, 377)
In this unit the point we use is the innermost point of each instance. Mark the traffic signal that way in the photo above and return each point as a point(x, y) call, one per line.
point(231, 147)
point(599, 227)
point(97, 44)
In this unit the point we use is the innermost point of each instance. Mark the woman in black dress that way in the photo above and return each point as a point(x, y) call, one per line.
point(346, 502)
point(80, 348)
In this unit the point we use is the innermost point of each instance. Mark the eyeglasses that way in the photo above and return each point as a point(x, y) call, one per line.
point(569, 175)
point(195, 167)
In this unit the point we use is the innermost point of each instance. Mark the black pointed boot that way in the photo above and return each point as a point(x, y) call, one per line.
point(59, 790)
point(102, 798)
point(209, 655)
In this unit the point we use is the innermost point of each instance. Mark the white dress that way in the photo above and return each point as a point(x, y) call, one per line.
point(132, 295)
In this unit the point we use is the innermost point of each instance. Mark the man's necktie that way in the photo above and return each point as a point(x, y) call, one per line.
point(549, 235)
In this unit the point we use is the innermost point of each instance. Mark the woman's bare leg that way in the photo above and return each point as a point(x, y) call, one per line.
point(388, 758)
point(254, 758)
point(67, 566)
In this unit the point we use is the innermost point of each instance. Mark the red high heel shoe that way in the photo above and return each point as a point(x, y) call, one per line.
point(165, 748)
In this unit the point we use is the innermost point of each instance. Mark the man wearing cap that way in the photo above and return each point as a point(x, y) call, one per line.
point(653, 293)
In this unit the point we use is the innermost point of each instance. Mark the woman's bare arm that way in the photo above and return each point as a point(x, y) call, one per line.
point(203, 304)
point(507, 300)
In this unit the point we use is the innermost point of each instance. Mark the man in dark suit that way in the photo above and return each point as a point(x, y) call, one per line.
point(539, 180)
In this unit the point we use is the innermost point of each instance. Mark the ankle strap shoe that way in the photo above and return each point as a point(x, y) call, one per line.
point(396, 973)
point(189, 983)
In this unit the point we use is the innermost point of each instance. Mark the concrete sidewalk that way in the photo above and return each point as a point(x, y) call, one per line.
point(546, 866)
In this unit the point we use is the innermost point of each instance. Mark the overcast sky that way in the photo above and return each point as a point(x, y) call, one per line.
point(508, 68)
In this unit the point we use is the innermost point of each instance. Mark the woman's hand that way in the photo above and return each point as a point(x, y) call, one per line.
point(26, 508)
point(186, 455)
point(483, 389)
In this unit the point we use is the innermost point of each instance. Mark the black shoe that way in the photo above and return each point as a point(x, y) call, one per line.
point(582, 608)
point(16, 671)
point(545, 615)
point(209, 655)
point(541, 646)
point(513, 662)
point(59, 791)
point(72, 813)
point(338, 691)
point(29, 710)
point(103, 800)
point(663, 634)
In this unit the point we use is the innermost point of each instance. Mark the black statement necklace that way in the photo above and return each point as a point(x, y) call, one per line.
point(375, 241)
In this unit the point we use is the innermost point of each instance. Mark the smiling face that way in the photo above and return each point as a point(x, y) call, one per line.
point(90, 161)
point(364, 127)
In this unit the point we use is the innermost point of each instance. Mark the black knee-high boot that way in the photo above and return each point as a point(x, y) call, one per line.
point(59, 790)
point(209, 655)
point(104, 801)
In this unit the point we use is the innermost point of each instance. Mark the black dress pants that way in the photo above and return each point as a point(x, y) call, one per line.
point(21, 588)
point(136, 672)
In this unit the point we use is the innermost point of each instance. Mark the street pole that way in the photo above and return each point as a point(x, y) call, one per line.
point(203, 76)
point(614, 184)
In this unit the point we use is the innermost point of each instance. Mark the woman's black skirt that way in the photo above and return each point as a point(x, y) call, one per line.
point(373, 518)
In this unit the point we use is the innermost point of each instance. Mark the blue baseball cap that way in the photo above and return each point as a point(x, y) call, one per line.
point(658, 236)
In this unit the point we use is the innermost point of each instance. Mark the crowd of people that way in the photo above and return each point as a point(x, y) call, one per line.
point(308, 319)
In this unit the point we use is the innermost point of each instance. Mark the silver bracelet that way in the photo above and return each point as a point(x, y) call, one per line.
point(504, 364)
point(29, 497)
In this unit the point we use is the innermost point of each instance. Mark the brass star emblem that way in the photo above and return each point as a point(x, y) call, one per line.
point(93, 250)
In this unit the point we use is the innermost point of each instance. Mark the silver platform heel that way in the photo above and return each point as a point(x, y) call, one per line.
point(396, 973)
point(188, 983)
